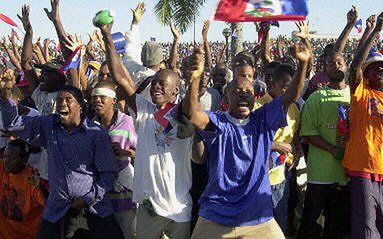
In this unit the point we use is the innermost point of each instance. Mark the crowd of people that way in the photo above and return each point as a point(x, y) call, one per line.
point(174, 140)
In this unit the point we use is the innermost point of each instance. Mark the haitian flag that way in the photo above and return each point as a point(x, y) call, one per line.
point(359, 25)
point(260, 10)
point(74, 61)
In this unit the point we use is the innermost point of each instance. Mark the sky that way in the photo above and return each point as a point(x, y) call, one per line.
point(326, 17)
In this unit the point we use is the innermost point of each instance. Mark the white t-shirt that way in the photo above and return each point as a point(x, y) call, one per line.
point(162, 166)
point(211, 100)
point(45, 102)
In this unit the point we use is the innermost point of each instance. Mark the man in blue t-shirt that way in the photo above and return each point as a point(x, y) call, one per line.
point(237, 200)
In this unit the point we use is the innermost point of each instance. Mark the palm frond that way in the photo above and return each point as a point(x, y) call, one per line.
point(163, 11)
point(182, 12)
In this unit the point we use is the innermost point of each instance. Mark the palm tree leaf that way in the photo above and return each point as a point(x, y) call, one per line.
point(184, 13)
point(163, 11)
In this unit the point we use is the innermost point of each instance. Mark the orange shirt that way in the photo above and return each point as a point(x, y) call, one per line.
point(364, 152)
point(21, 205)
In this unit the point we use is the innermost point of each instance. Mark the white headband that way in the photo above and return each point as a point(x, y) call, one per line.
point(104, 92)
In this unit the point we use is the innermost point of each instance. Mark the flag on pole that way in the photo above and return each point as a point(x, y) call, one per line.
point(7, 20)
point(260, 10)
point(74, 61)
point(359, 26)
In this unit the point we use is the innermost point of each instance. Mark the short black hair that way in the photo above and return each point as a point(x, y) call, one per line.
point(243, 57)
point(22, 145)
point(272, 65)
point(282, 69)
point(76, 92)
point(107, 84)
point(328, 49)
point(242, 64)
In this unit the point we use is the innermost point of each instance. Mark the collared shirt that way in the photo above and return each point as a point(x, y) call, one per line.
point(81, 163)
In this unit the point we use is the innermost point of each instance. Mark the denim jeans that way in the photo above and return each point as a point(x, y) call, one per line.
point(280, 197)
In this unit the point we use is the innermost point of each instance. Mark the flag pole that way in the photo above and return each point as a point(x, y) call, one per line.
point(194, 29)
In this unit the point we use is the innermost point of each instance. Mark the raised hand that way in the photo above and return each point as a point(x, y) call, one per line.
point(100, 40)
point(72, 43)
point(352, 16)
point(106, 30)
point(54, 14)
point(205, 29)
point(93, 37)
point(174, 29)
point(47, 42)
point(78, 38)
point(379, 23)
point(301, 53)
point(370, 22)
point(25, 18)
point(4, 43)
point(303, 28)
point(138, 12)
point(196, 63)
point(11, 38)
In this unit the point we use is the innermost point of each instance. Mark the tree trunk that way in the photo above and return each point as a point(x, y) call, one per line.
point(236, 38)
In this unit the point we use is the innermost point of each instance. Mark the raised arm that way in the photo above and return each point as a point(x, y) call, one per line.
point(27, 128)
point(361, 56)
point(174, 51)
point(120, 75)
point(265, 45)
point(46, 53)
point(281, 44)
point(11, 55)
point(206, 46)
point(14, 47)
point(370, 23)
point(304, 35)
point(133, 42)
point(221, 54)
point(37, 51)
point(38, 43)
point(27, 52)
point(72, 44)
point(352, 17)
point(302, 54)
point(191, 107)
point(54, 16)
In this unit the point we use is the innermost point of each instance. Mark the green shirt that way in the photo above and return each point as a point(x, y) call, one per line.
point(319, 117)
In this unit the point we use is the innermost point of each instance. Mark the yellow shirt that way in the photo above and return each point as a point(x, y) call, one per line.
point(283, 135)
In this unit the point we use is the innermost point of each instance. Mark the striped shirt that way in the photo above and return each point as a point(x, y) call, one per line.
point(122, 131)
